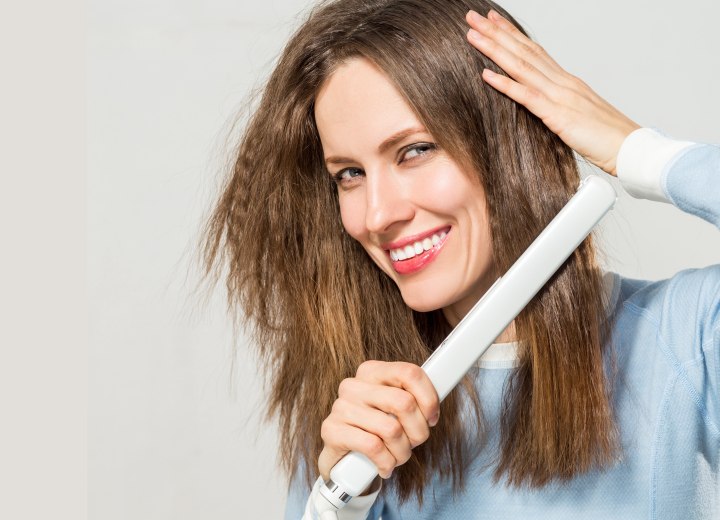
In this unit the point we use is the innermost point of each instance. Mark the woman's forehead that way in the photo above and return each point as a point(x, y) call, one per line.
point(359, 103)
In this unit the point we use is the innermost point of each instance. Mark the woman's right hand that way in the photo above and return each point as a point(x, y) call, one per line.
point(383, 412)
point(586, 122)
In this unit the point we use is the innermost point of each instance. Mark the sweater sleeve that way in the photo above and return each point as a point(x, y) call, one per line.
point(655, 167)
point(687, 175)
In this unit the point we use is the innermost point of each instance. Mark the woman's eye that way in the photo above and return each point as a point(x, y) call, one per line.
point(347, 174)
point(417, 150)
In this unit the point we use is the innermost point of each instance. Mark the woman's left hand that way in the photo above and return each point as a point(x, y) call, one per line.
point(570, 108)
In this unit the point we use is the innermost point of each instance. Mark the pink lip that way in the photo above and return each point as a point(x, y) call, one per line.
point(418, 262)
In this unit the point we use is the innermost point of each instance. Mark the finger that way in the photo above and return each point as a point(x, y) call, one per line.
point(509, 37)
point(388, 427)
point(400, 404)
point(341, 438)
point(532, 99)
point(407, 376)
point(553, 71)
point(359, 402)
point(520, 70)
point(524, 40)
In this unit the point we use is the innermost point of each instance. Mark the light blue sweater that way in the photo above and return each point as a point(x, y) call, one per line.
point(667, 392)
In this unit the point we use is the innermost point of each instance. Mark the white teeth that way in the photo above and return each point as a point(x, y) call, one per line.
point(410, 250)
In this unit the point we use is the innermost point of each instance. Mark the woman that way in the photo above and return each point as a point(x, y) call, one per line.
point(390, 174)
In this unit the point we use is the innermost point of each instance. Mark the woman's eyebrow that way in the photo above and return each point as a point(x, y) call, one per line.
point(387, 143)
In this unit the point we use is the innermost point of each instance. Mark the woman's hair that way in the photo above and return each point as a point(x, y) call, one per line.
point(316, 305)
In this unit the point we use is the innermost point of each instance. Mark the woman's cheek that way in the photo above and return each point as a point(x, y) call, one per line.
point(352, 214)
point(445, 185)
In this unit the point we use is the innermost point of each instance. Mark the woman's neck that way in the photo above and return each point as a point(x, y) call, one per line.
point(506, 336)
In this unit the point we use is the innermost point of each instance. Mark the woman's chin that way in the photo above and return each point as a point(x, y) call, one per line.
point(423, 302)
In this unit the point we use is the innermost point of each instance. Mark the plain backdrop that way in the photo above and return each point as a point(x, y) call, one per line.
point(175, 430)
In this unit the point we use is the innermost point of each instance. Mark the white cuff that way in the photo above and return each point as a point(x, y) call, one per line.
point(642, 161)
point(357, 509)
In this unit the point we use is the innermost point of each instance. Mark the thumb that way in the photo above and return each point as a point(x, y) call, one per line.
point(327, 459)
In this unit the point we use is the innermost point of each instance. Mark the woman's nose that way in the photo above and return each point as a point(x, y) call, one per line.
point(388, 201)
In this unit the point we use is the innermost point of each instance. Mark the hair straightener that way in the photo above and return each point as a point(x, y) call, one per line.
point(486, 320)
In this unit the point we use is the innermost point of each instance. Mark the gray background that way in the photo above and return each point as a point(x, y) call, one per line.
point(174, 432)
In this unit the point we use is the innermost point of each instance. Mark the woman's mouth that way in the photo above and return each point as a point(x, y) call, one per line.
point(416, 255)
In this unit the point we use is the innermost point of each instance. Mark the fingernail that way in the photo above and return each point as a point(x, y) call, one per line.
point(475, 16)
point(434, 419)
point(474, 35)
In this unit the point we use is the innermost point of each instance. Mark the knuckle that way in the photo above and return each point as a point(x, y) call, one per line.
point(534, 49)
point(366, 367)
point(532, 94)
point(393, 430)
point(327, 429)
point(420, 438)
point(373, 447)
point(576, 80)
point(429, 405)
point(404, 457)
point(405, 403)
point(386, 468)
point(346, 386)
point(387, 463)
point(526, 51)
point(338, 407)
point(575, 87)
point(411, 372)
point(523, 66)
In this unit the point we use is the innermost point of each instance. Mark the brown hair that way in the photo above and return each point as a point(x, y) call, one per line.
point(317, 306)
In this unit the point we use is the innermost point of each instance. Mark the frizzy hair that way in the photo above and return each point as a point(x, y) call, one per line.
point(315, 304)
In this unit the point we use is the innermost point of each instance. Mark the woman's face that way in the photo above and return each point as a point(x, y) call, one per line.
point(420, 217)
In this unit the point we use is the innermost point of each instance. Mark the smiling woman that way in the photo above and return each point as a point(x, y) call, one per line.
point(306, 272)
point(393, 169)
